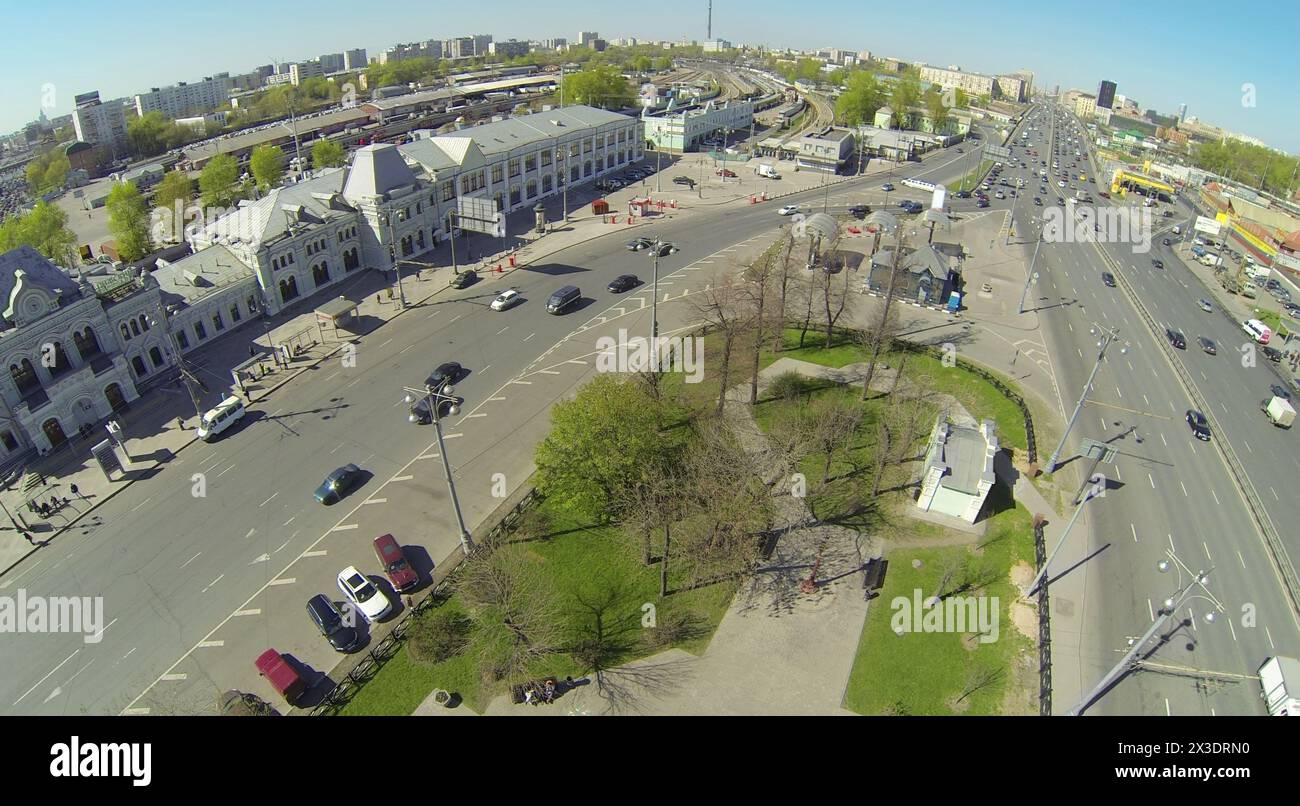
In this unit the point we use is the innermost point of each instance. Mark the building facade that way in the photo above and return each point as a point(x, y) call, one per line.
point(683, 130)
point(1106, 95)
point(100, 124)
point(948, 78)
point(185, 98)
point(354, 59)
point(826, 151)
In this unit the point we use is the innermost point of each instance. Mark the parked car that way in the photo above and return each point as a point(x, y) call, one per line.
point(859, 210)
point(1166, 242)
point(684, 180)
point(506, 299)
point(337, 484)
point(363, 594)
point(1207, 344)
point(463, 279)
point(1272, 353)
point(331, 623)
point(623, 282)
point(726, 173)
point(1158, 263)
point(1199, 425)
point(1038, 202)
point(888, 187)
point(391, 556)
point(282, 676)
point(637, 244)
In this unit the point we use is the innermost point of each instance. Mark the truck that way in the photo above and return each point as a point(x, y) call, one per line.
point(1279, 679)
point(766, 169)
point(1280, 413)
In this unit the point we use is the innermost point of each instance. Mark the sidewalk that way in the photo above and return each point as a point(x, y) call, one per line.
point(151, 436)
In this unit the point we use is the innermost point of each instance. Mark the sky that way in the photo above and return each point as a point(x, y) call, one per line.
point(1234, 65)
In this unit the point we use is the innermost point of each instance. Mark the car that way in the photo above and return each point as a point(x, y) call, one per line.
point(1166, 242)
point(363, 594)
point(982, 203)
point(859, 210)
point(331, 623)
point(999, 195)
point(959, 149)
point(1199, 425)
point(391, 556)
point(1157, 263)
point(1108, 279)
point(506, 299)
point(1060, 183)
point(684, 180)
point(445, 373)
point(281, 674)
point(1205, 305)
point(1280, 391)
point(909, 206)
point(637, 244)
point(463, 279)
point(789, 209)
point(726, 173)
point(1038, 201)
point(1272, 353)
point(1176, 338)
point(1207, 345)
point(623, 282)
point(337, 484)
point(963, 194)
point(887, 187)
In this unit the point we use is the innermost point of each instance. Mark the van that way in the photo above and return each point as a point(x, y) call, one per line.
point(281, 674)
point(1257, 330)
point(562, 299)
point(218, 419)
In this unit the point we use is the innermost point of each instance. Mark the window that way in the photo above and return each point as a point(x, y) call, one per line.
point(137, 364)
point(252, 305)
point(135, 327)
point(498, 173)
point(144, 323)
point(156, 356)
point(10, 443)
point(126, 332)
point(531, 188)
point(546, 157)
point(546, 183)
point(514, 196)
point(217, 323)
point(530, 162)
point(234, 313)
point(448, 190)
point(183, 340)
point(419, 208)
point(320, 274)
point(200, 332)
point(588, 144)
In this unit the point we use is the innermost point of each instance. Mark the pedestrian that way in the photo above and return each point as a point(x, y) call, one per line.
point(180, 423)
point(251, 351)
point(75, 491)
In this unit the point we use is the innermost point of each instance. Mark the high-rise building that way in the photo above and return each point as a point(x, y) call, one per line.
point(100, 124)
point(1106, 94)
point(460, 47)
point(585, 38)
point(1182, 112)
point(481, 44)
point(301, 71)
point(184, 98)
point(331, 63)
point(354, 59)
point(509, 49)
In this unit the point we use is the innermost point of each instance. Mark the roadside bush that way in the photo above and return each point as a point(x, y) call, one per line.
point(789, 386)
point(438, 635)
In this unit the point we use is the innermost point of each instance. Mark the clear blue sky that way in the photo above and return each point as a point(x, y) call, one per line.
point(1160, 53)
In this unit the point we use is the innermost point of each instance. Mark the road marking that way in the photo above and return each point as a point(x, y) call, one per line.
point(213, 582)
point(1241, 560)
point(1153, 481)
point(211, 644)
point(452, 436)
point(250, 533)
point(547, 372)
point(476, 414)
point(190, 560)
point(346, 527)
point(374, 501)
point(571, 361)
point(1207, 551)
point(404, 349)
point(332, 376)
point(1118, 392)
point(256, 611)
point(429, 456)
point(1275, 498)
point(503, 330)
point(283, 581)
point(142, 503)
point(485, 369)
point(224, 472)
point(1216, 496)
point(385, 344)
point(1247, 444)
point(286, 523)
point(1135, 532)
point(285, 543)
point(494, 399)
point(1144, 398)
point(171, 678)
point(47, 676)
point(133, 711)
point(401, 478)
point(525, 383)
point(1180, 484)
point(269, 500)
point(1162, 439)
point(1117, 475)
point(454, 318)
point(317, 553)
point(1103, 423)
point(529, 336)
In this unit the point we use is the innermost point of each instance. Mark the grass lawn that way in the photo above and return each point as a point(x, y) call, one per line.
point(584, 564)
point(925, 673)
point(971, 180)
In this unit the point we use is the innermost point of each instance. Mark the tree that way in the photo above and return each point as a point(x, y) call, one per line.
point(857, 105)
point(148, 133)
point(128, 220)
point(217, 182)
point(327, 154)
point(45, 229)
point(722, 309)
point(48, 171)
point(601, 442)
point(174, 194)
point(835, 296)
point(905, 95)
point(267, 166)
point(601, 86)
point(641, 64)
point(883, 331)
point(758, 277)
point(937, 109)
point(517, 621)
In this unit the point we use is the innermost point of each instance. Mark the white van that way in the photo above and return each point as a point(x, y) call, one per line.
point(1257, 330)
point(225, 414)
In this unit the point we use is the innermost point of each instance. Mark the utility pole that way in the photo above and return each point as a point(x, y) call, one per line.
point(436, 398)
point(1109, 335)
point(186, 375)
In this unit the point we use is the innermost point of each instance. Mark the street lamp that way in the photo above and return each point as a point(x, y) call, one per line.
point(1107, 336)
point(186, 376)
point(386, 218)
point(435, 399)
point(1168, 607)
point(658, 248)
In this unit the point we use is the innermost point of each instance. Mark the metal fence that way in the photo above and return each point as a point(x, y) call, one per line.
point(1044, 625)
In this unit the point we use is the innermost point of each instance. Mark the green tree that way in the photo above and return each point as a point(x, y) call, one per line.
point(327, 154)
point(128, 220)
point(858, 104)
point(175, 191)
point(45, 229)
point(267, 166)
point(56, 172)
point(664, 63)
point(905, 95)
point(601, 86)
point(601, 442)
point(217, 181)
point(937, 109)
point(808, 69)
point(641, 64)
point(961, 99)
point(148, 134)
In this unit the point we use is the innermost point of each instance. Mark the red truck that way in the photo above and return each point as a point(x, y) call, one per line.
point(281, 675)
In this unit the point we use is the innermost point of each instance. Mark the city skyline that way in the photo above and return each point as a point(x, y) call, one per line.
point(1060, 46)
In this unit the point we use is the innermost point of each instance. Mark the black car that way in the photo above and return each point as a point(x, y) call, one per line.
point(463, 279)
point(859, 211)
point(1207, 344)
point(910, 206)
point(684, 180)
point(443, 375)
point(1165, 241)
point(963, 194)
point(1176, 338)
point(1272, 354)
point(331, 623)
point(1038, 202)
point(1159, 264)
point(1199, 425)
point(337, 484)
point(637, 244)
point(1108, 279)
point(622, 283)
point(1280, 391)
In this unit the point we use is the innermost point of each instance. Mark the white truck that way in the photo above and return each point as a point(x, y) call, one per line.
point(1280, 412)
point(766, 169)
point(1280, 680)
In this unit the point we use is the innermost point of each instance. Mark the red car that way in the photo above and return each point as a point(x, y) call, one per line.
point(727, 173)
point(393, 559)
point(282, 677)
point(1103, 194)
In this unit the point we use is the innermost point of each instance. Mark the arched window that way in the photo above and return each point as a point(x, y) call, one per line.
point(137, 364)
point(61, 362)
point(144, 322)
point(25, 378)
point(288, 289)
point(320, 274)
point(156, 355)
point(126, 332)
point(135, 327)
point(531, 188)
point(546, 183)
point(586, 168)
point(86, 343)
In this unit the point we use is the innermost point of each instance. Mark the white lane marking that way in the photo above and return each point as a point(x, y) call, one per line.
point(529, 336)
point(190, 560)
point(210, 644)
point(1207, 552)
point(213, 582)
point(476, 414)
point(429, 456)
point(1275, 498)
point(452, 436)
point(401, 478)
point(255, 611)
point(47, 676)
point(317, 553)
point(1135, 532)
point(375, 501)
point(285, 543)
point(335, 448)
point(485, 369)
point(1180, 484)
point(1153, 481)
point(404, 349)
point(570, 361)
point(331, 377)
point(142, 503)
point(1162, 439)
point(385, 344)
point(283, 581)
point(496, 398)
point(454, 318)
point(269, 500)
point(525, 383)
point(346, 527)
point(1241, 560)
point(250, 533)
point(503, 330)
point(1216, 496)
point(171, 678)
point(224, 472)
point(1247, 444)
point(286, 523)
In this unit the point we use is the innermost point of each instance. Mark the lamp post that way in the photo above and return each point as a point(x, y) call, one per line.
point(435, 399)
point(1038, 580)
point(387, 219)
point(1032, 275)
point(1107, 336)
point(188, 378)
point(659, 248)
point(1169, 606)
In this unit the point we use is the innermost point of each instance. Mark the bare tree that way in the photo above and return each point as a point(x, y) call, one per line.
point(758, 277)
point(516, 614)
point(783, 286)
point(723, 310)
point(836, 422)
point(834, 292)
point(881, 334)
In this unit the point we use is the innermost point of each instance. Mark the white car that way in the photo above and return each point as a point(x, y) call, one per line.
point(789, 209)
point(505, 300)
point(363, 594)
point(1061, 183)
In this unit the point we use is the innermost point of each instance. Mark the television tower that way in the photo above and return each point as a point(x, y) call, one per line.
point(709, 31)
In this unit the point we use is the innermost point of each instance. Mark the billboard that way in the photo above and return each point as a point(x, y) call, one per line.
point(1207, 225)
point(479, 214)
